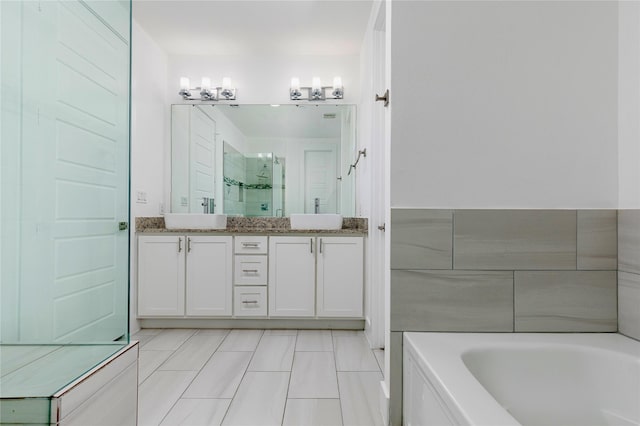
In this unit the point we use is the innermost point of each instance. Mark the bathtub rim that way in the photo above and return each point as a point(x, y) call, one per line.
point(466, 399)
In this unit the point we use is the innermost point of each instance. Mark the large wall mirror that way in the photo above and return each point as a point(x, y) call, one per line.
point(263, 160)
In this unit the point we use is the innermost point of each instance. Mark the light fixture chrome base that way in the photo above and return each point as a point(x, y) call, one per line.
point(317, 95)
point(209, 95)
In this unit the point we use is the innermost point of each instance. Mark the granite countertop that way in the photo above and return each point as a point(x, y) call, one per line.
point(254, 226)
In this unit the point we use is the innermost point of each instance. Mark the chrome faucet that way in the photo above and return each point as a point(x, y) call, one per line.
point(208, 205)
point(317, 205)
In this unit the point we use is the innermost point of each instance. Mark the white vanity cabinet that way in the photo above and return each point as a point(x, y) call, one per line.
point(316, 277)
point(250, 276)
point(161, 275)
point(340, 277)
point(185, 275)
point(292, 275)
point(212, 276)
point(209, 276)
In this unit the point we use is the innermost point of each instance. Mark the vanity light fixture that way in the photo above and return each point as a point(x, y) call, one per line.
point(315, 92)
point(207, 93)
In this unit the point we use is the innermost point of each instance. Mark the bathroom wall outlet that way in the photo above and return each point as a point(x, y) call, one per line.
point(161, 208)
point(141, 197)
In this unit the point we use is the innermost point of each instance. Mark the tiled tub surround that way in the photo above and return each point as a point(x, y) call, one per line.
point(254, 225)
point(503, 270)
point(506, 271)
point(629, 273)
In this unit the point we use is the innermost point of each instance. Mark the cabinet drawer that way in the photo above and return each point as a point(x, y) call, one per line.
point(250, 302)
point(250, 270)
point(251, 245)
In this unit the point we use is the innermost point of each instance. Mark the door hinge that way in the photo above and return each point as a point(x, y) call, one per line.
point(382, 227)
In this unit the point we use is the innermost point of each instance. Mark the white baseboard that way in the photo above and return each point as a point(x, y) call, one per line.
point(383, 396)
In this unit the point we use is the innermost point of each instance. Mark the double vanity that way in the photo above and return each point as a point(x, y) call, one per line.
point(303, 271)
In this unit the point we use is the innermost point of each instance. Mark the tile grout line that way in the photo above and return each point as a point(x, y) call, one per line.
point(335, 364)
point(173, 351)
point(286, 397)
point(194, 377)
point(241, 380)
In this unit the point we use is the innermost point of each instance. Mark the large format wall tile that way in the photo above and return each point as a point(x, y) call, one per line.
point(629, 241)
point(451, 301)
point(421, 239)
point(558, 301)
point(395, 378)
point(629, 304)
point(597, 239)
point(514, 239)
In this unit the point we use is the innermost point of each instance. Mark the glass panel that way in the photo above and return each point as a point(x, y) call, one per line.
point(64, 176)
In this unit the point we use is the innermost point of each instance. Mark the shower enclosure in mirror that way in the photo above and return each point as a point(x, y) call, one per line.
point(253, 183)
point(267, 160)
point(64, 210)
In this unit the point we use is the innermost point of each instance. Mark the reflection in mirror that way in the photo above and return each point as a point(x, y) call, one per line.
point(253, 183)
point(267, 160)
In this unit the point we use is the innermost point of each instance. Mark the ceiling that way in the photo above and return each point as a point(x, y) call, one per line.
point(242, 27)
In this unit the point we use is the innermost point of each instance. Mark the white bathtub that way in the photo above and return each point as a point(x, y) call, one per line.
point(521, 379)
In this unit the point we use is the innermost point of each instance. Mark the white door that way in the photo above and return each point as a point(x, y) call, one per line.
point(202, 159)
point(75, 171)
point(340, 277)
point(292, 272)
point(320, 180)
point(161, 267)
point(209, 275)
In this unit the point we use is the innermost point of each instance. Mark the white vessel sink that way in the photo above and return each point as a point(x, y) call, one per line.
point(195, 221)
point(316, 221)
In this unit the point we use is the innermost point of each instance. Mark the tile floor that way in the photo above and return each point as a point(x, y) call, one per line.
point(257, 377)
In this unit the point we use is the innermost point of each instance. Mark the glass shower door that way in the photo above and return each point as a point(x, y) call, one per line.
point(75, 172)
point(64, 200)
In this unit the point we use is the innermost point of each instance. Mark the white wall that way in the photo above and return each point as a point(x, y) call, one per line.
point(504, 104)
point(264, 80)
point(149, 137)
point(629, 105)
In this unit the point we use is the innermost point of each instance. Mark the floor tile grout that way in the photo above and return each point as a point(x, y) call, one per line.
point(246, 370)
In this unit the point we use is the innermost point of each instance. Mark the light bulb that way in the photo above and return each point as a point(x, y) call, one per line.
point(316, 84)
point(184, 83)
point(226, 83)
point(338, 90)
point(206, 83)
point(295, 83)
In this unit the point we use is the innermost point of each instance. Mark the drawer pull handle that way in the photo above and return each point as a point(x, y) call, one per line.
point(255, 271)
point(250, 244)
point(179, 245)
point(249, 301)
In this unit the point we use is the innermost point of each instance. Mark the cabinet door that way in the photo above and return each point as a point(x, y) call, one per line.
point(161, 275)
point(209, 276)
point(340, 276)
point(291, 276)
